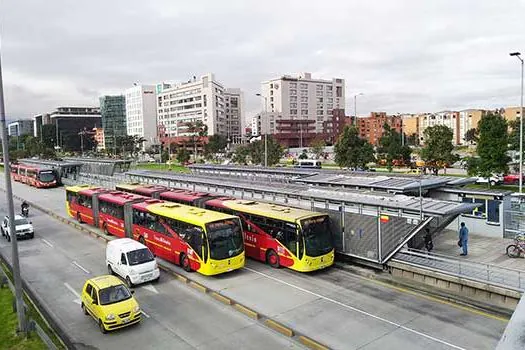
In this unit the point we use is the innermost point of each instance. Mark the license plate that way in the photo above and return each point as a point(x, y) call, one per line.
point(148, 276)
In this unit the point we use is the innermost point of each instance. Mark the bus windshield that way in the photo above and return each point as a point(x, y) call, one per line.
point(317, 235)
point(225, 239)
point(46, 176)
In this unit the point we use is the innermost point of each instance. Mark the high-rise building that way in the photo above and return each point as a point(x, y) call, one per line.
point(113, 114)
point(303, 105)
point(141, 112)
point(205, 100)
point(68, 123)
point(20, 127)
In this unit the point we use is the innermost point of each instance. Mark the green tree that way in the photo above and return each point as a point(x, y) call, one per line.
point(241, 154)
point(197, 130)
point(438, 146)
point(183, 155)
point(491, 147)
point(353, 151)
point(216, 144)
point(256, 151)
point(317, 147)
point(471, 135)
point(391, 148)
point(304, 154)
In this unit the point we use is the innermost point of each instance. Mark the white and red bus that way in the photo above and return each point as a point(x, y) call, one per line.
point(278, 235)
point(34, 175)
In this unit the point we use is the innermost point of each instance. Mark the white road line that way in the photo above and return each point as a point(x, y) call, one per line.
point(144, 313)
point(358, 310)
point(46, 242)
point(80, 267)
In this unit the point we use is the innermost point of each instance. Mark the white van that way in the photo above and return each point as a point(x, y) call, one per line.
point(132, 261)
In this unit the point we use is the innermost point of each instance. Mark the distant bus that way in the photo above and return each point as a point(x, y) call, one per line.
point(278, 235)
point(196, 239)
point(309, 163)
point(34, 175)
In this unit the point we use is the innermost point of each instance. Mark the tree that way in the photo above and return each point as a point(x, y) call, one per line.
point(471, 135)
point(216, 144)
point(352, 151)
point(491, 147)
point(438, 146)
point(390, 147)
point(183, 155)
point(256, 151)
point(198, 131)
point(240, 154)
point(514, 136)
point(304, 154)
point(317, 147)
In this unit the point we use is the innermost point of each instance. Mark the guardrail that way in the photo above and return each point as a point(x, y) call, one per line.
point(32, 325)
point(477, 271)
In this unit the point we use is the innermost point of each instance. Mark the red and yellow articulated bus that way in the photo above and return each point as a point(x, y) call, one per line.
point(33, 175)
point(278, 235)
point(197, 239)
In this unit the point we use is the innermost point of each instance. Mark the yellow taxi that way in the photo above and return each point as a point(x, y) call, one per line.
point(109, 301)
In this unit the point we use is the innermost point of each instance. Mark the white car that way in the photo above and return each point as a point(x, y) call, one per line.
point(132, 261)
point(24, 228)
point(493, 180)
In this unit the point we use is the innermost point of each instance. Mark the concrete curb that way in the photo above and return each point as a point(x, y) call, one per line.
point(260, 318)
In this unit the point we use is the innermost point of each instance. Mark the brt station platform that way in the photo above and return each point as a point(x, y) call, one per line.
point(369, 227)
point(64, 169)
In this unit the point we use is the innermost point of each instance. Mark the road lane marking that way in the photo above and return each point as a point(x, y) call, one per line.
point(397, 325)
point(46, 242)
point(75, 293)
point(151, 288)
point(80, 267)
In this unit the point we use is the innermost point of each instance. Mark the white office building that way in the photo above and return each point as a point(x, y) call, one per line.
point(141, 112)
point(203, 99)
point(302, 98)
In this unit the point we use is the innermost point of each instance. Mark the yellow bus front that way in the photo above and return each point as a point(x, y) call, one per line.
point(72, 191)
point(224, 247)
point(316, 237)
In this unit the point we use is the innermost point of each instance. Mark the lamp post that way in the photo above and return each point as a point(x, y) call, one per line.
point(355, 106)
point(266, 133)
point(518, 55)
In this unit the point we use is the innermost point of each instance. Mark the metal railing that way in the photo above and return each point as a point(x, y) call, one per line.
point(476, 271)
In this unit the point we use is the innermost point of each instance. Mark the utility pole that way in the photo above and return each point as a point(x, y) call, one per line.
point(11, 213)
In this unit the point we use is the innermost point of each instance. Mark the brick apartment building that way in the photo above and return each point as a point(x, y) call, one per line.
point(371, 128)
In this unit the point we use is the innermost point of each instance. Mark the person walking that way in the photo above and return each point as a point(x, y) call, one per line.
point(429, 245)
point(463, 238)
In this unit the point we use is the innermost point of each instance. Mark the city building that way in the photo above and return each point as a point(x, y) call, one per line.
point(410, 123)
point(450, 119)
point(113, 115)
point(302, 104)
point(20, 127)
point(68, 123)
point(511, 113)
point(141, 113)
point(469, 119)
point(335, 126)
point(371, 128)
point(99, 139)
point(179, 105)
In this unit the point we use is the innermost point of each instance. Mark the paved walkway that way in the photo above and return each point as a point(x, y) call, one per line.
point(480, 249)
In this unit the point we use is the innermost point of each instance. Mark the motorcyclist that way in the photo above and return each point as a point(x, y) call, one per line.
point(25, 207)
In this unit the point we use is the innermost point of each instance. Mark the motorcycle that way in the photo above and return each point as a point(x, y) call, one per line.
point(25, 212)
point(518, 247)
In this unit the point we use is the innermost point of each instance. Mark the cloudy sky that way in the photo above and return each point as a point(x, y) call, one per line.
point(404, 55)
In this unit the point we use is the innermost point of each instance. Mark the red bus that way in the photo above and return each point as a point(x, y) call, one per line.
point(197, 239)
point(278, 235)
point(34, 175)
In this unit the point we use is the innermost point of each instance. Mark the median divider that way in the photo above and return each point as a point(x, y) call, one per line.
point(266, 321)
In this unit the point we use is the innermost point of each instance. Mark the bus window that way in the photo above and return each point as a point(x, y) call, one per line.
point(85, 201)
point(71, 197)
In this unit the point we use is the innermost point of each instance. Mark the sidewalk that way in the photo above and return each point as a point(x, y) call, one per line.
point(480, 249)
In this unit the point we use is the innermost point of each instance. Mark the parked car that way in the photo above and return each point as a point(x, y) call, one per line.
point(413, 172)
point(493, 180)
point(512, 179)
point(24, 228)
point(110, 302)
point(132, 261)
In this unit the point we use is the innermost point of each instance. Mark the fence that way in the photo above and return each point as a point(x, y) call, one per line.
point(477, 271)
point(514, 219)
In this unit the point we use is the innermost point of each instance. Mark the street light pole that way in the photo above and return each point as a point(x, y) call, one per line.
point(266, 133)
point(11, 213)
point(518, 55)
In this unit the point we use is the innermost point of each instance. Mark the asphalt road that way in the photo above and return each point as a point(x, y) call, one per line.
point(335, 307)
point(59, 259)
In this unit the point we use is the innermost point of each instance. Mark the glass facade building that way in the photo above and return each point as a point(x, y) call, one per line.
point(113, 113)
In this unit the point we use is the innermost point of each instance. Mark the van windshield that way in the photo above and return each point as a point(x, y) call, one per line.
point(140, 256)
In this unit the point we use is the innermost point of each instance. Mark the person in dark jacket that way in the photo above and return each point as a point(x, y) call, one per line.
point(429, 245)
point(463, 238)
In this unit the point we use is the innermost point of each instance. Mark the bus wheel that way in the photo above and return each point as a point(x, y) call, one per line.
point(185, 263)
point(79, 218)
point(273, 259)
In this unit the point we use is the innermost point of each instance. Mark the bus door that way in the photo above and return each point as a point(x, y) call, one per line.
point(252, 238)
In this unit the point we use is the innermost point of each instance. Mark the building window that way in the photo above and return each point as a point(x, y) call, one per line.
point(293, 92)
point(339, 91)
point(319, 100)
point(293, 98)
point(304, 86)
point(329, 87)
point(304, 105)
point(304, 99)
point(304, 112)
point(293, 105)
point(304, 92)
point(293, 111)
point(319, 87)
point(320, 112)
point(293, 85)
point(271, 99)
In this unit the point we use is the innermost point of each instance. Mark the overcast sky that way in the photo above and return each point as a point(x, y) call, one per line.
point(405, 56)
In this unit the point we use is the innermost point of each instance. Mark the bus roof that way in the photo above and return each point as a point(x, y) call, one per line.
point(120, 198)
point(79, 188)
point(274, 211)
point(37, 167)
point(186, 213)
point(185, 195)
point(90, 191)
point(128, 187)
point(148, 190)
